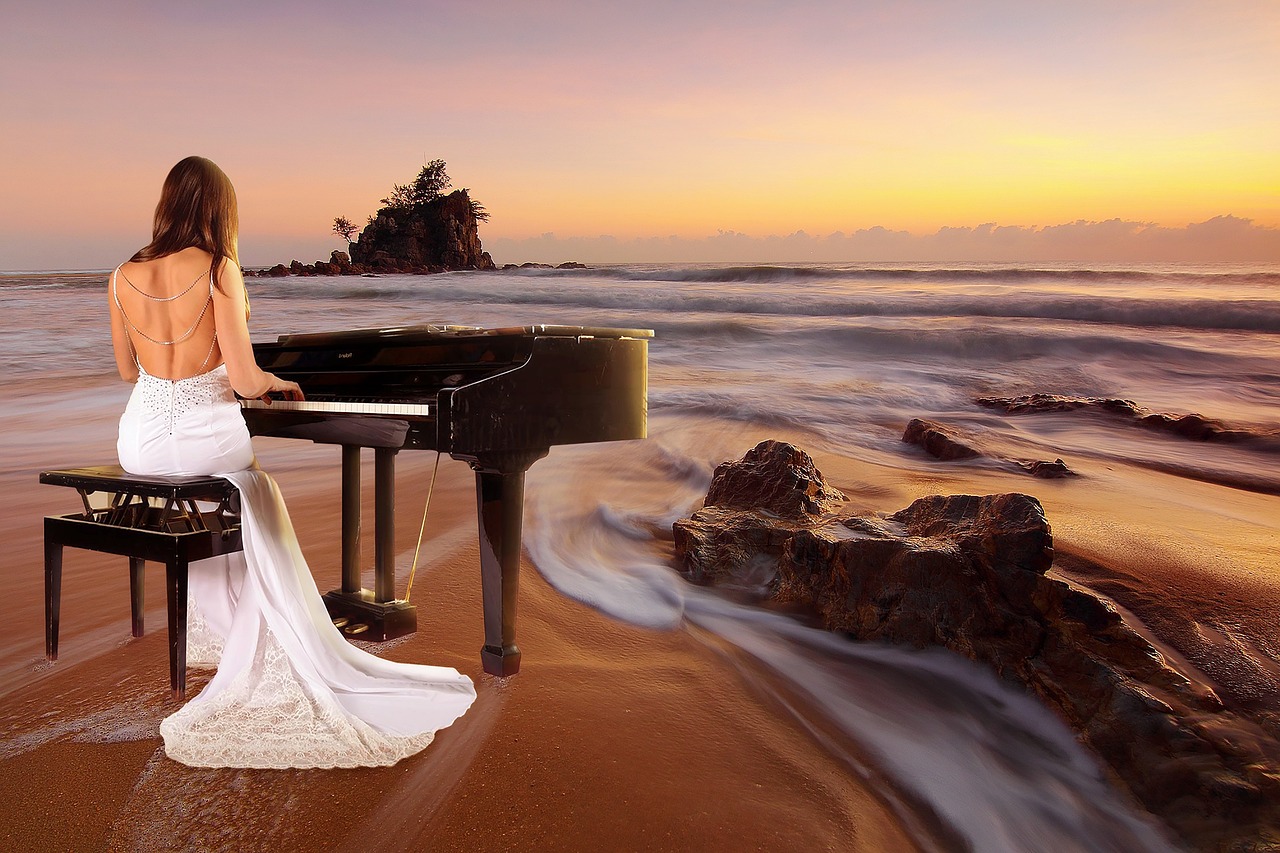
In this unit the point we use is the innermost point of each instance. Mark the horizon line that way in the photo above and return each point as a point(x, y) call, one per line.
point(1029, 265)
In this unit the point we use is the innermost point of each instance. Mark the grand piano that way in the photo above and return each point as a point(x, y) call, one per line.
point(498, 399)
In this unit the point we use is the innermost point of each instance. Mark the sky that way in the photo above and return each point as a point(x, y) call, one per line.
point(716, 130)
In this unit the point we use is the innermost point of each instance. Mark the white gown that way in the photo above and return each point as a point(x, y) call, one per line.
point(289, 690)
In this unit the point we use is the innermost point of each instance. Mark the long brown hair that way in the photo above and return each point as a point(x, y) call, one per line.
point(197, 208)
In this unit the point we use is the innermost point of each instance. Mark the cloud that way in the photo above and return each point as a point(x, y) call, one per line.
point(1216, 240)
point(1222, 239)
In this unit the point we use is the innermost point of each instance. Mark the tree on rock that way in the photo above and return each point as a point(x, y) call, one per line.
point(344, 228)
point(430, 185)
point(477, 208)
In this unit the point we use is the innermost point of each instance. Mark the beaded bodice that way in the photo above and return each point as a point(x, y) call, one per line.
point(172, 399)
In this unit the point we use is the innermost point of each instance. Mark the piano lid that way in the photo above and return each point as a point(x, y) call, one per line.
point(445, 330)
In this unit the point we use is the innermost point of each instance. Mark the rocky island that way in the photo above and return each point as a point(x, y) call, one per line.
point(419, 229)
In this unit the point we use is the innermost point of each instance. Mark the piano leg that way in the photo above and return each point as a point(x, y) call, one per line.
point(350, 518)
point(375, 614)
point(384, 524)
point(500, 497)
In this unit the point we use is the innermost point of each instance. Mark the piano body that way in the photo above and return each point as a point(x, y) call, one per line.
point(498, 399)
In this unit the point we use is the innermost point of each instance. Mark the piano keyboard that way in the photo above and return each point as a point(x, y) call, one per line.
point(344, 407)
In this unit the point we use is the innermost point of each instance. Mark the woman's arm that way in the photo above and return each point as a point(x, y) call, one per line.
point(230, 311)
point(125, 361)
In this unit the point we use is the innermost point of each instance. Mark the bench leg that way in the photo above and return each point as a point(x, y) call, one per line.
point(136, 589)
point(52, 595)
point(176, 592)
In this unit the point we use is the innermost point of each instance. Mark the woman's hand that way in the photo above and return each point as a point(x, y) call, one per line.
point(288, 390)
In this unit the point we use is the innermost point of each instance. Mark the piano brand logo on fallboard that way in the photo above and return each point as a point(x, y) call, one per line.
point(345, 354)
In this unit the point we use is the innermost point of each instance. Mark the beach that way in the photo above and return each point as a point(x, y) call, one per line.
point(649, 713)
point(627, 738)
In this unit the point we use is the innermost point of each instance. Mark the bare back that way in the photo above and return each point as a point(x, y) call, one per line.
point(165, 308)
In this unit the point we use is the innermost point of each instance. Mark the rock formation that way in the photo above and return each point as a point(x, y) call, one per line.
point(938, 441)
point(970, 573)
point(773, 476)
point(945, 443)
point(532, 265)
point(1191, 426)
point(441, 234)
point(1055, 470)
point(428, 237)
point(338, 264)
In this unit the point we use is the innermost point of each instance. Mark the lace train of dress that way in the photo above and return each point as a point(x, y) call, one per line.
point(289, 691)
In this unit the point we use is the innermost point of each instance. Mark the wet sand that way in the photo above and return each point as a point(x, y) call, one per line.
point(611, 737)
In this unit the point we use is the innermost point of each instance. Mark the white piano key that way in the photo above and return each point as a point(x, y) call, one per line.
point(420, 410)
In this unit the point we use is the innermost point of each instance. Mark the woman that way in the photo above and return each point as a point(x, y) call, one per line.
point(289, 690)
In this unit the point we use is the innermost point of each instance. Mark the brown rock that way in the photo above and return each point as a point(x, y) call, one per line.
point(725, 546)
point(970, 573)
point(776, 477)
point(945, 443)
point(1027, 403)
point(937, 440)
point(1192, 426)
point(436, 235)
point(340, 263)
point(1056, 469)
point(781, 489)
point(1004, 532)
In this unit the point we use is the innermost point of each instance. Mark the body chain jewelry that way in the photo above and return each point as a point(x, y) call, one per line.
point(139, 290)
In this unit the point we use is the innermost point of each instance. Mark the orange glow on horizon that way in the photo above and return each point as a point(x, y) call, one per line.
point(765, 122)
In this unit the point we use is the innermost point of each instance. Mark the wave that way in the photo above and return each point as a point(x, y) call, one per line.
point(16, 282)
point(998, 770)
point(1178, 311)
point(768, 273)
point(1165, 297)
point(959, 749)
point(747, 407)
point(747, 274)
point(1252, 315)
point(794, 350)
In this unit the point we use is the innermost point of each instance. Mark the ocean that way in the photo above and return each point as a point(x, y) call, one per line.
point(837, 359)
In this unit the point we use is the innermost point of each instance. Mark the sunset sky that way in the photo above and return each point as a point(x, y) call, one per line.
point(677, 130)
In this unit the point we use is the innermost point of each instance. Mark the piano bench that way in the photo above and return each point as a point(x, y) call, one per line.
point(143, 518)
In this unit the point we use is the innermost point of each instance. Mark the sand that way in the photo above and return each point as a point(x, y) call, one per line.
point(610, 738)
